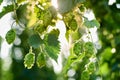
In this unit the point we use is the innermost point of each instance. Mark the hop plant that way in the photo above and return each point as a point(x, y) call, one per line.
point(89, 49)
point(10, 36)
point(91, 67)
point(40, 60)
point(29, 59)
point(78, 47)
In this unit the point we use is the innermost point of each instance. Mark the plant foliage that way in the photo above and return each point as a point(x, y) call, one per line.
point(10, 36)
point(6, 9)
point(44, 36)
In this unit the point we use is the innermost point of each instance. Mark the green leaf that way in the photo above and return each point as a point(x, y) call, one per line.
point(52, 52)
point(29, 60)
point(52, 45)
point(21, 13)
point(85, 75)
point(10, 36)
point(6, 9)
point(40, 60)
point(52, 38)
point(92, 23)
point(95, 23)
point(35, 40)
point(1, 1)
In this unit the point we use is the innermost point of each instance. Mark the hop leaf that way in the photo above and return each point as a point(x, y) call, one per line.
point(92, 23)
point(52, 44)
point(10, 36)
point(51, 39)
point(29, 60)
point(85, 75)
point(52, 52)
point(35, 41)
point(40, 60)
point(6, 9)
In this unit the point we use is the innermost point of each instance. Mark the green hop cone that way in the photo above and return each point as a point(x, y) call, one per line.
point(10, 36)
point(29, 60)
point(40, 60)
point(85, 75)
point(73, 25)
point(78, 47)
point(91, 67)
point(89, 48)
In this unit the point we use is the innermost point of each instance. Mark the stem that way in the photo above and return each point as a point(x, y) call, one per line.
point(14, 3)
point(30, 49)
point(12, 24)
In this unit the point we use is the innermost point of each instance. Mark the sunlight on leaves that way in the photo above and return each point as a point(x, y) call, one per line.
point(41, 60)
point(29, 60)
point(52, 45)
